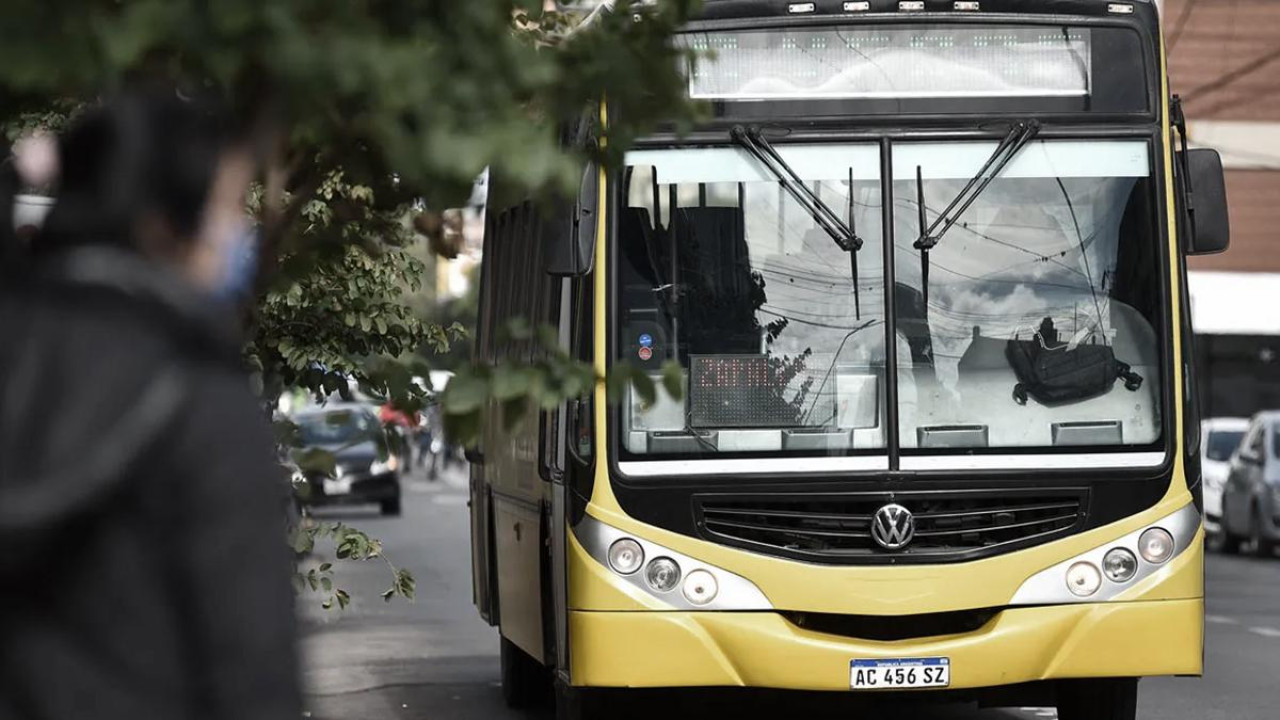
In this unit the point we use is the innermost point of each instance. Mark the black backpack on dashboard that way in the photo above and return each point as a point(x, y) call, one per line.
point(1054, 373)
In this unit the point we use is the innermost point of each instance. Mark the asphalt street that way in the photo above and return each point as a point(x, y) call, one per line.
point(435, 659)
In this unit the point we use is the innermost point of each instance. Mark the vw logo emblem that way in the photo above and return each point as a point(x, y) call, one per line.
point(892, 527)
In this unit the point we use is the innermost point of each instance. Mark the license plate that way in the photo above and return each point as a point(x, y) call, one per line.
point(337, 486)
point(904, 673)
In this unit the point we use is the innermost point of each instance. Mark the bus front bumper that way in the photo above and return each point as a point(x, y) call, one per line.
point(763, 649)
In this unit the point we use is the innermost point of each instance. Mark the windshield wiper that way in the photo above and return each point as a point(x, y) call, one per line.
point(753, 141)
point(1019, 135)
point(843, 233)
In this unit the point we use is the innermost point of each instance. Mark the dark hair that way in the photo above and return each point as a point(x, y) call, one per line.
point(139, 153)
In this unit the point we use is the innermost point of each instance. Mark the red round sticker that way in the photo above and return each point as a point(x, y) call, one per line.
point(646, 353)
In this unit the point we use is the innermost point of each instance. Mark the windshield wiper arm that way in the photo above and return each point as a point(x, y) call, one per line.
point(1019, 135)
point(754, 142)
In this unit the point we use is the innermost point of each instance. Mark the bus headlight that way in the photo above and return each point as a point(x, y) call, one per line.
point(670, 579)
point(1156, 546)
point(1115, 567)
point(626, 556)
point(1084, 579)
point(663, 574)
point(700, 587)
point(1119, 565)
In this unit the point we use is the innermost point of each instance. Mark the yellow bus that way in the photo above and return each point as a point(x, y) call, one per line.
point(923, 272)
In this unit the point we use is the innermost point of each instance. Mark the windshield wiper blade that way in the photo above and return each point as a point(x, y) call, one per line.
point(1019, 135)
point(753, 142)
point(844, 234)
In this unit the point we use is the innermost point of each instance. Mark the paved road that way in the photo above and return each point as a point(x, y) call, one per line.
point(435, 659)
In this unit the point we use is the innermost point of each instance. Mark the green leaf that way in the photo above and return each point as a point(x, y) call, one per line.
point(466, 393)
point(509, 382)
point(465, 427)
point(673, 380)
point(624, 375)
point(302, 542)
point(315, 460)
point(514, 412)
point(518, 328)
point(406, 584)
point(645, 388)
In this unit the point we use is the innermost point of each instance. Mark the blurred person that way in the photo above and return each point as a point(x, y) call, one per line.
point(146, 573)
point(430, 440)
point(400, 427)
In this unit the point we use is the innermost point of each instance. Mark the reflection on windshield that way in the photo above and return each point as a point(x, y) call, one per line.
point(1042, 303)
point(1039, 327)
point(723, 271)
point(335, 428)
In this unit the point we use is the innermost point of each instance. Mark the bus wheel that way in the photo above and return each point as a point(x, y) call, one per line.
point(1107, 699)
point(523, 678)
point(577, 703)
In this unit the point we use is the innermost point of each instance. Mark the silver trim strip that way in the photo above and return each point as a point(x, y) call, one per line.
point(736, 592)
point(1033, 462)
point(658, 468)
point(888, 95)
point(1049, 586)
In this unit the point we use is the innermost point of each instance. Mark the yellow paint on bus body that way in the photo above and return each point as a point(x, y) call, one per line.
point(623, 637)
point(687, 649)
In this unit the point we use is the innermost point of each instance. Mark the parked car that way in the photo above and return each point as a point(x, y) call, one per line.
point(366, 468)
point(1219, 438)
point(1251, 499)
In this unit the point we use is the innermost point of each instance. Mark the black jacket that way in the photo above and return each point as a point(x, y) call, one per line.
point(144, 572)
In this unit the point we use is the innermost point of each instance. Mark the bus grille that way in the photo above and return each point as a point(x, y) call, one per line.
point(891, 628)
point(949, 527)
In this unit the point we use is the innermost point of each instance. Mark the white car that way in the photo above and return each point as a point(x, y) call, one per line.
point(1219, 438)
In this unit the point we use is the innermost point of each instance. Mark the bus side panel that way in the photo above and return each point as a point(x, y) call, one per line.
point(482, 566)
point(481, 546)
point(518, 547)
point(518, 495)
point(514, 286)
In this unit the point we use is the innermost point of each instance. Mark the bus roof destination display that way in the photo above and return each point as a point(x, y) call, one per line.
point(916, 62)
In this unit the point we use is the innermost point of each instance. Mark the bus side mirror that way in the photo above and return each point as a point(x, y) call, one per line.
point(570, 241)
point(1206, 196)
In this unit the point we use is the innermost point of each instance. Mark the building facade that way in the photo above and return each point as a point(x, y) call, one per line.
point(1224, 61)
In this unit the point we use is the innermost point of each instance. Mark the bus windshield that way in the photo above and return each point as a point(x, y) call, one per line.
point(1039, 330)
point(1043, 300)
